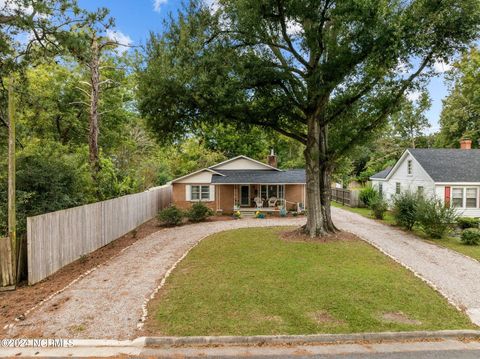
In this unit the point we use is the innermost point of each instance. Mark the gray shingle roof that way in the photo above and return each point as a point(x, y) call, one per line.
point(259, 176)
point(382, 174)
point(449, 165)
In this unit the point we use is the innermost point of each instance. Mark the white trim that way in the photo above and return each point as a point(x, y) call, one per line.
point(400, 160)
point(457, 183)
point(194, 173)
point(245, 158)
point(251, 183)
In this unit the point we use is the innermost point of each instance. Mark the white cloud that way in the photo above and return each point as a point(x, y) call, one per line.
point(157, 4)
point(294, 28)
point(413, 95)
point(441, 66)
point(9, 8)
point(213, 5)
point(121, 38)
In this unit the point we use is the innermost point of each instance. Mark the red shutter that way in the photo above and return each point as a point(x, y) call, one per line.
point(447, 196)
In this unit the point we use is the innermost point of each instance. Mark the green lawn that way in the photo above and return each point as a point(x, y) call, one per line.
point(251, 282)
point(449, 242)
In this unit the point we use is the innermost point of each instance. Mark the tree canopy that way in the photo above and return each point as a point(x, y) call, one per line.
point(325, 73)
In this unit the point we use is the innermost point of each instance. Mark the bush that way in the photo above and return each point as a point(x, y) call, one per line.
point(435, 219)
point(368, 194)
point(378, 206)
point(471, 236)
point(283, 212)
point(199, 212)
point(171, 216)
point(405, 209)
point(468, 222)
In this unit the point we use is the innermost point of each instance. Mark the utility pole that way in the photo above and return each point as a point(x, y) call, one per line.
point(12, 219)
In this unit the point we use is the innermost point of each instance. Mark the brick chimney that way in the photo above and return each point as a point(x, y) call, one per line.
point(466, 144)
point(272, 159)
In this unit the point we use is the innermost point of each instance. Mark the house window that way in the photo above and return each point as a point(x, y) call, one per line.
point(380, 189)
point(409, 167)
point(420, 190)
point(397, 188)
point(471, 197)
point(457, 197)
point(200, 193)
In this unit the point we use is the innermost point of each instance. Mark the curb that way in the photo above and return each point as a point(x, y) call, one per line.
point(315, 338)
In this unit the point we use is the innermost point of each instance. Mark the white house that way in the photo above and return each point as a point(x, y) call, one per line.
point(451, 175)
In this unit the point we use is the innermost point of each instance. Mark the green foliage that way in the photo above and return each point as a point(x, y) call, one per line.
point(459, 117)
point(47, 180)
point(171, 216)
point(378, 206)
point(405, 209)
point(468, 222)
point(471, 236)
point(368, 194)
point(199, 212)
point(435, 219)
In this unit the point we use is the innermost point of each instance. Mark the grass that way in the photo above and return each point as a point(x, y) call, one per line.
point(366, 212)
point(251, 282)
point(452, 243)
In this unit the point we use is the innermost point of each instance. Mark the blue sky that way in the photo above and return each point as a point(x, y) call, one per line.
point(136, 18)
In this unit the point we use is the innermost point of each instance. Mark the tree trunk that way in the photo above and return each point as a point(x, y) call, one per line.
point(315, 223)
point(94, 116)
point(9, 247)
point(325, 182)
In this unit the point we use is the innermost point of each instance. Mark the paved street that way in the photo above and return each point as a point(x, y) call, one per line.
point(440, 349)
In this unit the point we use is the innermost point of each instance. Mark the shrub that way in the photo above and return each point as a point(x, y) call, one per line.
point(405, 209)
point(468, 222)
point(237, 214)
point(378, 206)
point(171, 216)
point(368, 194)
point(260, 215)
point(435, 219)
point(471, 236)
point(199, 212)
point(283, 212)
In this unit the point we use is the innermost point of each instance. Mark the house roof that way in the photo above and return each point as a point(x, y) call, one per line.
point(264, 165)
point(449, 165)
point(382, 174)
point(259, 176)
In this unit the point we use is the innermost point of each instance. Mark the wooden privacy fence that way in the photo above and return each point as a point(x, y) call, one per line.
point(346, 197)
point(59, 238)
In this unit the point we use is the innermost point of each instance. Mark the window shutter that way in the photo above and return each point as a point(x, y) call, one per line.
point(212, 192)
point(188, 192)
point(447, 196)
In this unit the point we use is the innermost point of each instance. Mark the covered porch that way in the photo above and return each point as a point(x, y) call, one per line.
point(266, 197)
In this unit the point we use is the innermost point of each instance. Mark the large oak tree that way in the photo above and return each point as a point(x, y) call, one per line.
point(326, 73)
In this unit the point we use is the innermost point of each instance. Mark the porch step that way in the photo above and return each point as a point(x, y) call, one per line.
point(248, 214)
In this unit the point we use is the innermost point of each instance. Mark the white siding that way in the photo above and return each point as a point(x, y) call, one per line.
point(418, 178)
point(241, 164)
point(464, 212)
point(200, 177)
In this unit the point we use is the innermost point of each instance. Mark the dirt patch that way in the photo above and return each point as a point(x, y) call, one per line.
point(399, 317)
point(15, 303)
point(322, 317)
point(297, 235)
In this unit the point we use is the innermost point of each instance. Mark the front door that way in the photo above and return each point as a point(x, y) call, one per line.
point(244, 195)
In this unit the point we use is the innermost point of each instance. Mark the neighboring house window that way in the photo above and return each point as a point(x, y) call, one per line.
point(380, 189)
point(409, 167)
point(471, 197)
point(457, 197)
point(420, 190)
point(397, 188)
point(200, 193)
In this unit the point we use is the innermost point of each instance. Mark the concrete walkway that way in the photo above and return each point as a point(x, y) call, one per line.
point(454, 275)
point(109, 302)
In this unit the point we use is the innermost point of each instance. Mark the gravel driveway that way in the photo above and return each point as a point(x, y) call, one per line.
point(107, 303)
point(454, 275)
